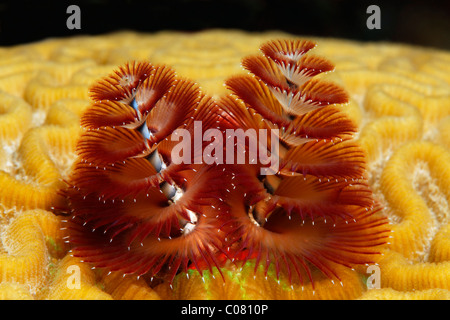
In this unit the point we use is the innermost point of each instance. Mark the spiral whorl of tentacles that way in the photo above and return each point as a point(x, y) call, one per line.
point(317, 209)
point(134, 209)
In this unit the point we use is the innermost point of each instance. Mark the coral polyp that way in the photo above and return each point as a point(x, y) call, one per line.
point(137, 210)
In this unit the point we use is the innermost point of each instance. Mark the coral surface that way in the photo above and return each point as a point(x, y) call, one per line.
point(399, 100)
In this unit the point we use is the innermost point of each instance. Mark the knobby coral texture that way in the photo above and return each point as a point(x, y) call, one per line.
point(95, 203)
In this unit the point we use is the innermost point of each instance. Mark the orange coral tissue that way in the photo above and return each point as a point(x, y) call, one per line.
point(135, 209)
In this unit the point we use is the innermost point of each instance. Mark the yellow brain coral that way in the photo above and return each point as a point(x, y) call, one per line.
point(400, 99)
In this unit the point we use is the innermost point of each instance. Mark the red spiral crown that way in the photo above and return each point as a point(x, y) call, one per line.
point(137, 210)
point(317, 210)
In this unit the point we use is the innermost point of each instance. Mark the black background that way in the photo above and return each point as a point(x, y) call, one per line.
point(425, 23)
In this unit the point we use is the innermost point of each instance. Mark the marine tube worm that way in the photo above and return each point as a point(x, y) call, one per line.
point(134, 208)
point(317, 210)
